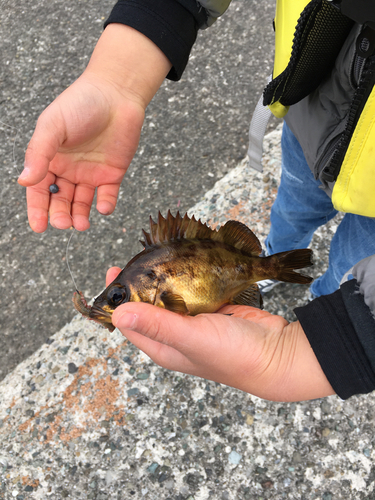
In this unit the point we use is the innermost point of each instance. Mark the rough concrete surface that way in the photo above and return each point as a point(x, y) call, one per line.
point(195, 131)
point(89, 416)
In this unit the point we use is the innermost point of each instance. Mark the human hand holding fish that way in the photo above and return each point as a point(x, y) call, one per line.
point(251, 350)
point(85, 140)
point(190, 271)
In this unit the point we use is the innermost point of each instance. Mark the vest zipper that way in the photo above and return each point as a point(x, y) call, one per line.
point(358, 65)
point(332, 169)
point(326, 156)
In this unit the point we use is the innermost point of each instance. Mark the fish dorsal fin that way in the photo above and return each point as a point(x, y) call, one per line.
point(239, 236)
point(171, 228)
point(175, 228)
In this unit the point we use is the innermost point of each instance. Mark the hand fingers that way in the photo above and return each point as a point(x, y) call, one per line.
point(43, 146)
point(183, 333)
point(71, 206)
point(107, 198)
point(204, 345)
point(245, 312)
point(112, 273)
point(63, 213)
point(82, 201)
point(153, 322)
point(38, 199)
point(60, 205)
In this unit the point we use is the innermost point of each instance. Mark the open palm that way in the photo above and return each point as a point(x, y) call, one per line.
point(85, 140)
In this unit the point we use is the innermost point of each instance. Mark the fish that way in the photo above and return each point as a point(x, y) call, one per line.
point(189, 268)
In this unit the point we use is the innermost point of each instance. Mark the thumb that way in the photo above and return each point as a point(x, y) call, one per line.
point(166, 337)
point(159, 325)
point(48, 136)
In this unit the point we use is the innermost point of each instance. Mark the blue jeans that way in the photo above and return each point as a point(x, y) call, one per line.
point(301, 207)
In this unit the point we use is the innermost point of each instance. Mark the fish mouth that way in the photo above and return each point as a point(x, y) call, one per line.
point(102, 315)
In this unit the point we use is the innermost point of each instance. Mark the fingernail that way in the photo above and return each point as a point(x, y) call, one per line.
point(25, 173)
point(126, 320)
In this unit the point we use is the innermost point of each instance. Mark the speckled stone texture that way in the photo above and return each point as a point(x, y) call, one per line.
point(89, 416)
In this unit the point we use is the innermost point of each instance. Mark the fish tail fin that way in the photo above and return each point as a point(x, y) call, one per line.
point(287, 262)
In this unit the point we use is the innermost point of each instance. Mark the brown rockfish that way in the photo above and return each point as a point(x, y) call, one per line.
point(189, 268)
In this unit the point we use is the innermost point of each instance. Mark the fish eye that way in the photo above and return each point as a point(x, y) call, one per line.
point(116, 295)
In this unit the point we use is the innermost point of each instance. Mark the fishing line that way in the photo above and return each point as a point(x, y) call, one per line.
point(67, 259)
point(68, 244)
point(14, 143)
point(66, 201)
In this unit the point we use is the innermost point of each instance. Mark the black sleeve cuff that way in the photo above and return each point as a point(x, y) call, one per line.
point(333, 338)
point(167, 23)
point(361, 318)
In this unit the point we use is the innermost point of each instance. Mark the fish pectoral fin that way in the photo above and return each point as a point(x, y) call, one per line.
point(249, 297)
point(174, 302)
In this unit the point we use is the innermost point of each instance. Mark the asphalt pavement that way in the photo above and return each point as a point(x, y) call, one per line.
point(195, 132)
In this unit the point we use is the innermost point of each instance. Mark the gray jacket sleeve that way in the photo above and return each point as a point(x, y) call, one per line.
point(364, 273)
point(214, 9)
